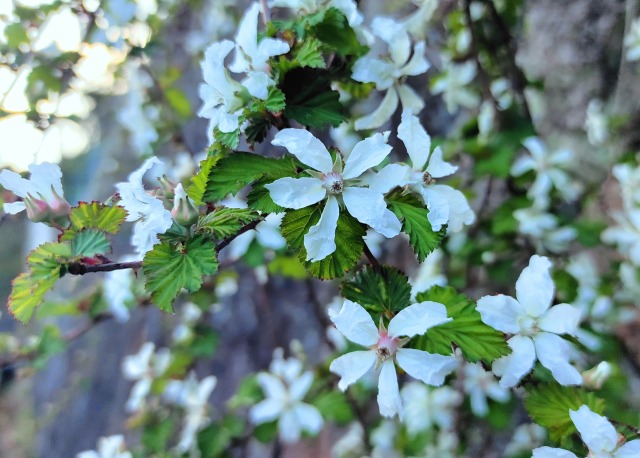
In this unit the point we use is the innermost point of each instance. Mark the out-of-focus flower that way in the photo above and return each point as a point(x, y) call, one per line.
point(525, 438)
point(632, 41)
point(480, 385)
point(595, 124)
point(595, 377)
point(543, 229)
point(625, 235)
point(144, 367)
point(454, 85)
point(427, 407)
point(429, 274)
point(108, 447)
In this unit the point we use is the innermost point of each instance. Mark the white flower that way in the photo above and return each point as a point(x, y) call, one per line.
point(632, 41)
point(285, 388)
point(445, 445)
point(147, 211)
point(348, 7)
point(251, 57)
point(388, 74)
point(192, 396)
point(595, 124)
point(542, 228)
point(535, 327)
point(525, 438)
point(144, 367)
point(426, 407)
point(385, 350)
point(626, 234)
point(453, 84)
point(45, 183)
point(446, 205)
point(549, 171)
point(116, 289)
point(629, 179)
point(331, 181)
point(429, 273)
point(599, 436)
point(108, 447)
point(480, 385)
point(383, 440)
point(351, 445)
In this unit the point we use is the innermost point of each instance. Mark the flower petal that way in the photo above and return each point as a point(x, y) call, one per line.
point(560, 319)
point(517, 364)
point(415, 139)
point(460, 213)
point(534, 288)
point(352, 366)
point(272, 386)
point(550, 452)
point(266, 411)
point(296, 192)
point(381, 114)
point(409, 99)
point(438, 167)
point(418, 64)
point(309, 417)
point(320, 240)
point(300, 386)
point(389, 399)
point(303, 145)
point(289, 427)
point(553, 353)
point(417, 318)
point(500, 312)
point(431, 369)
point(629, 450)
point(369, 207)
point(438, 205)
point(355, 323)
point(596, 431)
point(366, 154)
point(389, 177)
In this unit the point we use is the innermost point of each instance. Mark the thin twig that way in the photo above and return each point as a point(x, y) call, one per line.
point(266, 14)
point(370, 257)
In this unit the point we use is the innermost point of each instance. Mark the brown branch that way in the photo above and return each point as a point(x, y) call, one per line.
point(266, 14)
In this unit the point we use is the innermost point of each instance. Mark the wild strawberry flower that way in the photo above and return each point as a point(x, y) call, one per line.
point(446, 205)
point(348, 7)
point(144, 367)
point(285, 388)
point(386, 350)
point(428, 407)
point(625, 234)
point(389, 74)
point(335, 183)
point(108, 447)
point(599, 436)
point(454, 85)
point(480, 385)
point(535, 327)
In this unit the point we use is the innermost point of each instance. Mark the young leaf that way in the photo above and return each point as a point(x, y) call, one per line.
point(169, 268)
point(549, 405)
point(89, 243)
point(275, 100)
point(199, 181)
point(477, 340)
point(225, 222)
point(309, 54)
point(379, 289)
point(94, 215)
point(334, 30)
point(229, 140)
point(415, 224)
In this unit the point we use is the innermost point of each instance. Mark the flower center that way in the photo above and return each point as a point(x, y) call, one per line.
point(528, 326)
point(333, 183)
point(387, 346)
point(428, 179)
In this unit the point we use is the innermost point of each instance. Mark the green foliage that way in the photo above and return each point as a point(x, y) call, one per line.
point(415, 223)
point(287, 266)
point(51, 343)
point(309, 54)
point(28, 289)
point(16, 34)
point(169, 268)
point(333, 406)
point(477, 340)
point(256, 131)
point(94, 215)
point(549, 405)
point(156, 434)
point(335, 32)
point(349, 243)
point(199, 181)
point(215, 439)
point(247, 394)
point(230, 140)
point(224, 222)
point(275, 100)
point(89, 243)
point(379, 289)
point(589, 232)
point(178, 100)
point(234, 172)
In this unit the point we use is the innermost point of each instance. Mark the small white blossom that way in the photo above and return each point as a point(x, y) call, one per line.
point(543, 230)
point(351, 445)
point(427, 407)
point(144, 367)
point(632, 41)
point(525, 438)
point(535, 327)
point(45, 183)
point(429, 274)
point(336, 184)
point(108, 447)
point(480, 385)
point(595, 124)
point(454, 85)
point(599, 436)
point(625, 234)
point(629, 179)
point(385, 350)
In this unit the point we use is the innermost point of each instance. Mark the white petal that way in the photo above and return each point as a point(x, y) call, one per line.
point(550, 452)
point(303, 145)
point(438, 205)
point(418, 64)
point(438, 167)
point(389, 177)
point(366, 154)
point(289, 427)
point(522, 165)
point(560, 319)
point(309, 417)
point(369, 207)
point(460, 213)
point(417, 318)
point(500, 312)
point(355, 323)
point(553, 353)
point(389, 399)
point(596, 431)
point(44, 176)
point(300, 386)
point(535, 147)
point(352, 366)
point(246, 38)
point(534, 288)
point(431, 369)
point(270, 47)
point(415, 139)
point(381, 114)
point(296, 192)
point(272, 386)
point(257, 83)
point(629, 450)
point(266, 410)
point(517, 364)
point(409, 99)
point(14, 207)
point(370, 69)
point(320, 240)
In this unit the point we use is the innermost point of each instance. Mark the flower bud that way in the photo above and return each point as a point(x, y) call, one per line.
point(595, 377)
point(184, 211)
point(60, 209)
point(168, 187)
point(38, 210)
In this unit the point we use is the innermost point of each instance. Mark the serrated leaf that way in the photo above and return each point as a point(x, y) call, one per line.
point(549, 405)
point(94, 215)
point(234, 172)
point(259, 197)
point(229, 140)
point(477, 340)
point(257, 129)
point(415, 223)
point(275, 100)
point(379, 289)
point(89, 243)
point(309, 54)
point(199, 181)
point(334, 30)
point(224, 222)
point(168, 269)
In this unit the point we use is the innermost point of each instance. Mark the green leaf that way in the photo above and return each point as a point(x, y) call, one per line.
point(310, 99)
point(224, 222)
point(287, 266)
point(477, 340)
point(156, 434)
point(89, 243)
point(334, 407)
point(549, 405)
point(199, 181)
point(275, 100)
point(379, 289)
point(29, 288)
point(94, 215)
point(51, 343)
point(349, 243)
point(309, 54)
point(257, 129)
point(178, 101)
point(229, 140)
point(259, 197)
point(16, 34)
point(169, 268)
point(334, 30)
point(415, 223)
point(234, 172)
point(248, 393)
